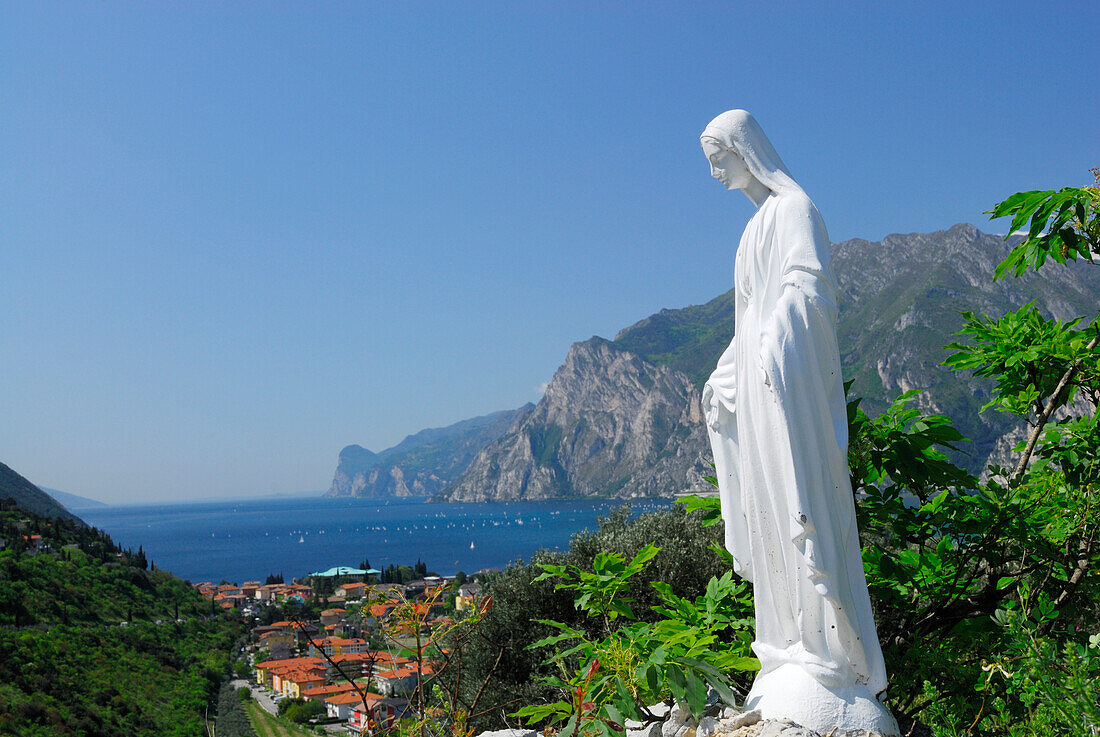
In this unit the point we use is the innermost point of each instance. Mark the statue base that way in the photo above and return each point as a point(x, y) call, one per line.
point(789, 692)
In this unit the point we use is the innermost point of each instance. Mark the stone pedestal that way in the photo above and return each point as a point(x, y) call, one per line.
point(788, 692)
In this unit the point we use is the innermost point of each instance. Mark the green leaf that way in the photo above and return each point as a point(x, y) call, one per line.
point(539, 712)
point(677, 683)
point(744, 663)
point(696, 693)
point(554, 639)
point(644, 555)
point(625, 702)
point(652, 678)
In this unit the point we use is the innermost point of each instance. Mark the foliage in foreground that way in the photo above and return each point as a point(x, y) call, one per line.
point(85, 578)
point(692, 646)
point(985, 589)
point(496, 671)
point(300, 711)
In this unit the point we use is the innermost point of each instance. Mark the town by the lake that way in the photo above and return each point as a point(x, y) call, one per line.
point(349, 657)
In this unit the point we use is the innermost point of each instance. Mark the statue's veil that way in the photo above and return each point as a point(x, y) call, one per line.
point(738, 131)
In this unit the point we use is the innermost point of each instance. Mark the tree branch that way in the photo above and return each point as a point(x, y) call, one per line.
point(488, 676)
point(1084, 550)
point(362, 694)
point(1045, 414)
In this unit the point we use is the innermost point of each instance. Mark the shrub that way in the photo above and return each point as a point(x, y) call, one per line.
point(499, 671)
point(300, 711)
point(232, 720)
point(694, 645)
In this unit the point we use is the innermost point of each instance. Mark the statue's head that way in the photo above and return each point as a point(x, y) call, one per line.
point(737, 148)
point(725, 164)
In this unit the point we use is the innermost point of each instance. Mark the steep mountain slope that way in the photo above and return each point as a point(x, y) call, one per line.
point(603, 430)
point(67, 667)
point(30, 497)
point(901, 303)
point(610, 424)
point(422, 463)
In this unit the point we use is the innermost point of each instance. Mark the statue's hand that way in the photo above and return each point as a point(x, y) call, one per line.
point(708, 397)
point(712, 407)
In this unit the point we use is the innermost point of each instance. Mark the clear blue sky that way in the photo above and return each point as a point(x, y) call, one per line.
point(236, 237)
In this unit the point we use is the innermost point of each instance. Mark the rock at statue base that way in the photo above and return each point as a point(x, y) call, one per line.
point(789, 693)
point(510, 733)
point(784, 728)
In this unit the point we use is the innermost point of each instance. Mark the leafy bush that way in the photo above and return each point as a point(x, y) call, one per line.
point(243, 670)
point(300, 711)
point(696, 644)
point(499, 671)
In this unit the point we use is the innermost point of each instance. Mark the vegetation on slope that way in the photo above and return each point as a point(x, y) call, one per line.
point(93, 643)
point(144, 679)
point(233, 718)
point(688, 340)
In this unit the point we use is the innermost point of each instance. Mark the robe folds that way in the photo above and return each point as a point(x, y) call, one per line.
point(777, 421)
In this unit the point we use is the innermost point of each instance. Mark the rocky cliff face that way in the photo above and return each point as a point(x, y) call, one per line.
point(422, 464)
point(901, 300)
point(622, 418)
point(609, 425)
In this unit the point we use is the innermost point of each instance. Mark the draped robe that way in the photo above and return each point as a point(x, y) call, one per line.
point(777, 421)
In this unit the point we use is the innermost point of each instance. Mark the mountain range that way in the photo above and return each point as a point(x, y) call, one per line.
point(621, 418)
point(72, 502)
point(423, 463)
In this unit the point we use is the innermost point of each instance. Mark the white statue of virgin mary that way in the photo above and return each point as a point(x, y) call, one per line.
point(777, 421)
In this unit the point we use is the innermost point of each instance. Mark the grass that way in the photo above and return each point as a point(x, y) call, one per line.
point(267, 725)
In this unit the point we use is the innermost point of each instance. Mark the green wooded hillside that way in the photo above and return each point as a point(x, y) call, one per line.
point(92, 643)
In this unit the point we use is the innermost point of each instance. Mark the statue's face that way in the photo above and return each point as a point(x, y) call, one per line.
point(726, 166)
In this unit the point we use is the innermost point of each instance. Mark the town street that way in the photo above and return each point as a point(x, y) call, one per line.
point(262, 697)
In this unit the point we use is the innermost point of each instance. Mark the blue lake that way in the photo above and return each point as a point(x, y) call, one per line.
point(247, 540)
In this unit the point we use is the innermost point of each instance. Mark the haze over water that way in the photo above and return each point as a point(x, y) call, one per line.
point(247, 540)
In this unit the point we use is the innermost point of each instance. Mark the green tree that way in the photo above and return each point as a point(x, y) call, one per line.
point(985, 588)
